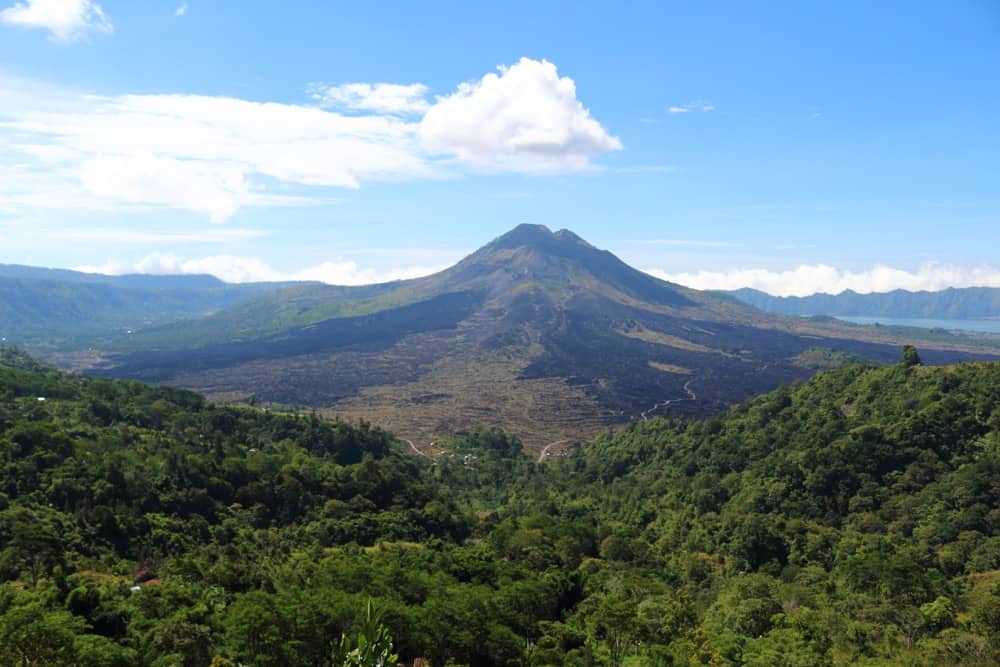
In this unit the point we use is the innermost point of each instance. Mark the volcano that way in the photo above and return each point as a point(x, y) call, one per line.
point(537, 332)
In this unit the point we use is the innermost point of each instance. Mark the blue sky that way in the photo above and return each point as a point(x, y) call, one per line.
point(792, 146)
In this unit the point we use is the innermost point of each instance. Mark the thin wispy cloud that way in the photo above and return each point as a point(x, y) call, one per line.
point(65, 20)
point(821, 278)
point(387, 98)
point(181, 10)
point(216, 155)
point(697, 105)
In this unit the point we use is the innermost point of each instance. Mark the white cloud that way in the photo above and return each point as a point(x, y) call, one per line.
point(811, 279)
point(526, 118)
point(215, 189)
point(181, 10)
point(696, 105)
point(64, 19)
point(208, 155)
point(388, 98)
point(233, 269)
point(215, 155)
point(225, 267)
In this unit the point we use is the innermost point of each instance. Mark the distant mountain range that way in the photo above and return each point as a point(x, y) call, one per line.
point(966, 304)
point(537, 332)
point(131, 281)
point(58, 308)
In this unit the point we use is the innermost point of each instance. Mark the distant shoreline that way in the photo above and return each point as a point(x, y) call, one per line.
point(981, 325)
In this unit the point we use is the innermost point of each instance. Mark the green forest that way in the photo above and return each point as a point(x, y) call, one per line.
point(850, 519)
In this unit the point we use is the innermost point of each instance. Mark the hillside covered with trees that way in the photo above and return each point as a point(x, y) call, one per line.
point(54, 309)
point(851, 519)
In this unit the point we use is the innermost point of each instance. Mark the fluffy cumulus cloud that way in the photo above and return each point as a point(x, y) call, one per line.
point(215, 155)
point(64, 19)
point(523, 118)
point(233, 269)
point(811, 279)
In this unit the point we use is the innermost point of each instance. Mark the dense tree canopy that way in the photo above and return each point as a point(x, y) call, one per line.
point(853, 519)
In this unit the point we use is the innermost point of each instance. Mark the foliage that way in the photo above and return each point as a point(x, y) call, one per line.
point(910, 356)
point(854, 518)
point(371, 648)
point(824, 358)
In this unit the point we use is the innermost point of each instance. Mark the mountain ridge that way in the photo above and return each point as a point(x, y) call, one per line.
point(526, 254)
point(176, 281)
point(56, 308)
point(950, 303)
point(538, 332)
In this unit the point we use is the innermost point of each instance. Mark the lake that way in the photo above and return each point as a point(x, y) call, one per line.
point(988, 326)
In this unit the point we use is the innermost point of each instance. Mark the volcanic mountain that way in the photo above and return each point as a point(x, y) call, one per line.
point(537, 332)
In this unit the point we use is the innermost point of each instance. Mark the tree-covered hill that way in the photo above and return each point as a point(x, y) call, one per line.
point(851, 519)
point(831, 523)
point(109, 484)
point(51, 309)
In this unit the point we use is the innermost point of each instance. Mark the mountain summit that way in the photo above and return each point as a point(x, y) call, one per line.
point(538, 332)
point(533, 253)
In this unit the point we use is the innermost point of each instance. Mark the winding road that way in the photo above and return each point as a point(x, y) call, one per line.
point(412, 446)
point(545, 449)
point(691, 396)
